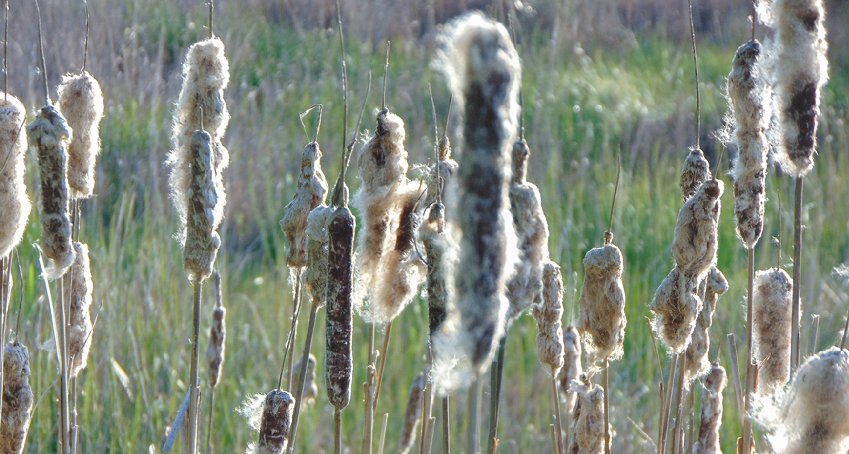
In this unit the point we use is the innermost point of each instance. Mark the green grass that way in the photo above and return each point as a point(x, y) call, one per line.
point(581, 109)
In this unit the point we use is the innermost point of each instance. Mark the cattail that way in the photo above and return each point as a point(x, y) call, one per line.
point(676, 305)
point(547, 315)
point(588, 418)
point(17, 399)
point(696, 237)
point(696, 170)
point(312, 189)
point(697, 350)
point(523, 289)
point(339, 324)
point(201, 240)
point(201, 107)
point(812, 413)
point(749, 101)
point(435, 240)
point(413, 413)
point(771, 327)
point(217, 336)
point(315, 276)
point(483, 71)
point(310, 386)
point(800, 70)
point(78, 292)
point(14, 203)
point(711, 413)
point(81, 102)
point(276, 418)
point(571, 364)
point(49, 133)
point(442, 173)
point(601, 319)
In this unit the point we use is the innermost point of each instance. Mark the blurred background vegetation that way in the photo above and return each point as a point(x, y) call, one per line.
point(598, 77)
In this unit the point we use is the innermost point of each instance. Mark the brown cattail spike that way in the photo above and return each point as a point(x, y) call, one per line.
point(49, 133)
point(78, 293)
point(339, 325)
point(413, 413)
point(17, 399)
point(217, 335)
point(771, 327)
point(602, 304)
point(548, 314)
point(14, 203)
point(276, 418)
point(202, 242)
point(311, 192)
point(711, 413)
point(81, 102)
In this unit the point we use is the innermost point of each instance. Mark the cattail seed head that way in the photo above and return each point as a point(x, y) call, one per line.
point(315, 276)
point(201, 239)
point(483, 72)
point(588, 418)
point(81, 102)
point(771, 327)
point(276, 419)
point(696, 170)
point(696, 237)
point(799, 70)
point(547, 315)
point(217, 336)
point(49, 134)
point(676, 305)
point(14, 203)
point(711, 412)
point(17, 399)
point(697, 350)
point(310, 386)
point(78, 292)
point(433, 237)
point(601, 318)
point(339, 323)
point(442, 174)
point(312, 189)
point(812, 413)
point(413, 413)
point(571, 364)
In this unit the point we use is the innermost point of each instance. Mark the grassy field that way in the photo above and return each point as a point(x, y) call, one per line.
point(584, 105)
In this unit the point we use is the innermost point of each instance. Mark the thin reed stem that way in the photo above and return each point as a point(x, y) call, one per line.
point(337, 431)
point(797, 276)
point(747, 422)
point(696, 70)
point(210, 423)
point(678, 400)
point(64, 416)
point(558, 424)
point(446, 425)
point(664, 426)
point(845, 333)
point(383, 433)
point(296, 312)
point(473, 440)
point(735, 373)
point(369, 391)
point(605, 376)
point(194, 394)
point(383, 354)
point(293, 432)
point(496, 374)
point(431, 423)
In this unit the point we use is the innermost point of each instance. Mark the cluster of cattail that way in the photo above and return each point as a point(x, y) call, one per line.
point(771, 327)
point(49, 134)
point(310, 386)
point(17, 398)
point(711, 412)
point(274, 423)
point(78, 293)
point(483, 71)
point(14, 203)
point(601, 319)
point(413, 413)
point(81, 102)
point(697, 351)
point(550, 345)
point(312, 189)
point(588, 418)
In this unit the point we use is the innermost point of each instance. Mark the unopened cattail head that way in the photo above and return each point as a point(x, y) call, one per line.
point(217, 335)
point(78, 293)
point(201, 107)
point(310, 386)
point(17, 399)
point(483, 72)
point(711, 412)
point(588, 418)
point(81, 102)
point(697, 350)
point(812, 414)
point(49, 134)
point(571, 364)
point(771, 327)
point(531, 226)
point(14, 203)
point(696, 170)
point(547, 315)
point(312, 189)
point(201, 239)
point(799, 71)
point(749, 99)
point(413, 413)
point(276, 419)
point(601, 317)
point(315, 276)
point(696, 236)
point(339, 322)
point(676, 305)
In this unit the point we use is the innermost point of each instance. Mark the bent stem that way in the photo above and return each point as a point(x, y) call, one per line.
point(303, 374)
point(194, 393)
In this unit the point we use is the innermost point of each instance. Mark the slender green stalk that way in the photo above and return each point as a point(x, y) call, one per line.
point(337, 431)
point(797, 276)
point(473, 440)
point(194, 393)
point(303, 375)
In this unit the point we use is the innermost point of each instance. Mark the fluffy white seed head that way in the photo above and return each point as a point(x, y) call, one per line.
point(311, 192)
point(711, 412)
point(696, 170)
point(78, 292)
point(14, 203)
point(699, 346)
point(547, 315)
point(217, 336)
point(17, 399)
point(771, 327)
point(201, 239)
point(81, 103)
point(588, 418)
point(696, 237)
point(676, 305)
point(601, 317)
point(571, 364)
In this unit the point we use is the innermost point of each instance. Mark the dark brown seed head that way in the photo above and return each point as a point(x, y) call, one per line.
point(276, 419)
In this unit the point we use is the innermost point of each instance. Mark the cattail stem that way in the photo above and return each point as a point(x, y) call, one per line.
point(369, 391)
point(210, 423)
point(337, 431)
point(747, 422)
point(677, 401)
point(495, 394)
point(303, 375)
point(383, 355)
point(664, 425)
point(605, 376)
point(64, 414)
point(797, 275)
point(473, 415)
point(558, 424)
point(845, 334)
point(295, 313)
point(194, 393)
point(446, 425)
point(383, 433)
